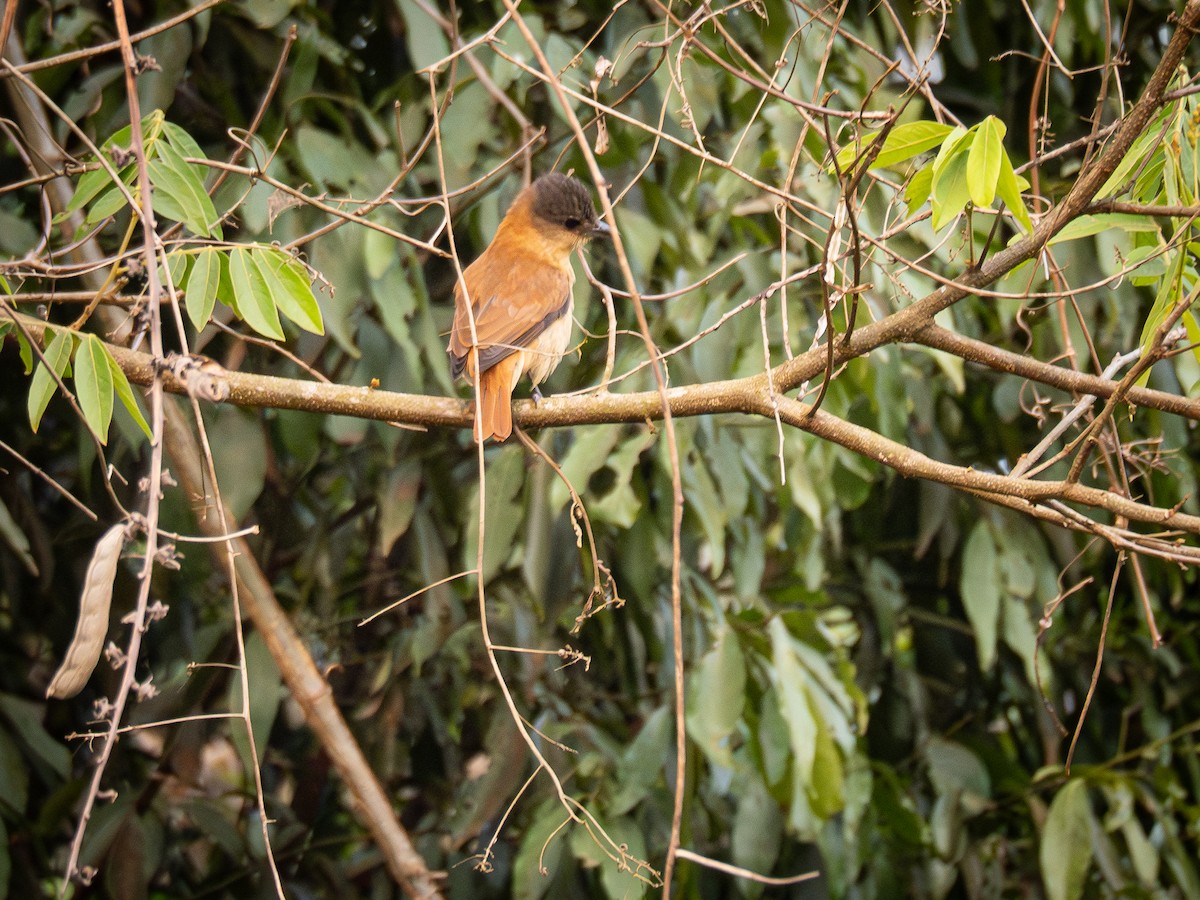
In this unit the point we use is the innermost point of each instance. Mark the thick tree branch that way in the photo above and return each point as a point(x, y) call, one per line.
point(747, 396)
point(998, 360)
point(910, 462)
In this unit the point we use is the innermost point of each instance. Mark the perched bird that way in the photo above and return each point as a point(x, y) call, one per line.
point(518, 292)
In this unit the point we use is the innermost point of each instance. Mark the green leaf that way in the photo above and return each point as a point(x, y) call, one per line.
point(583, 459)
point(911, 139)
point(957, 141)
point(111, 202)
point(92, 183)
point(57, 355)
point(181, 141)
point(540, 856)
point(955, 771)
point(620, 503)
point(288, 283)
point(950, 190)
point(1088, 225)
point(757, 832)
point(703, 502)
point(1149, 264)
point(505, 478)
point(125, 393)
point(1170, 293)
point(789, 680)
point(252, 297)
point(1192, 327)
point(1149, 143)
point(240, 455)
point(14, 778)
point(424, 37)
point(397, 501)
point(981, 593)
point(616, 880)
point(50, 757)
point(984, 159)
point(182, 184)
point(200, 294)
point(716, 698)
point(266, 690)
point(94, 385)
point(171, 194)
point(178, 266)
point(901, 144)
point(643, 761)
point(917, 191)
point(1008, 189)
point(1066, 850)
point(827, 793)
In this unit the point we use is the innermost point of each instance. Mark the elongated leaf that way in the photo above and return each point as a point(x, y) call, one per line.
point(1170, 291)
point(1088, 225)
point(94, 385)
point(181, 141)
point(98, 183)
point(288, 284)
point(265, 692)
point(170, 194)
point(178, 265)
point(1193, 332)
point(717, 697)
point(505, 479)
point(797, 713)
point(1008, 189)
point(918, 189)
point(92, 184)
point(984, 160)
point(51, 759)
point(952, 145)
point(125, 393)
point(1149, 143)
point(58, 355)
point(909, 140)
point(253, 298)
point(1066, 850)
point(188, 179)
point(902, 143)
point(950, 190)
point(981, 593)
point(201, 290)
point(112, 201)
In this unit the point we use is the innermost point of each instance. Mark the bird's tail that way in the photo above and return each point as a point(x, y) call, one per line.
point(493, 417)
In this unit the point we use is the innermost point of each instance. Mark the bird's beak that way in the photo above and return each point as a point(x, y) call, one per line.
point(601, 229)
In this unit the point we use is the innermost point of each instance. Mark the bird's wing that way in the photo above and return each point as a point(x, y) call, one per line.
point(513, 303)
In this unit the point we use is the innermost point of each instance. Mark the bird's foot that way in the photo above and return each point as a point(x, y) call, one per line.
point(537, 395)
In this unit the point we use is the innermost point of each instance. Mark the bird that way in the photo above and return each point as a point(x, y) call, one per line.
point(518, 296)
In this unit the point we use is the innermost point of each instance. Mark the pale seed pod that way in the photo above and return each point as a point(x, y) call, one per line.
point(84, 652)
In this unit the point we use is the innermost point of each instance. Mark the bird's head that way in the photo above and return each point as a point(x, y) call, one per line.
point(562, 207)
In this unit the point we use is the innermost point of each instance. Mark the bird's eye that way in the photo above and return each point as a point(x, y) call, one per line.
point(571, 224)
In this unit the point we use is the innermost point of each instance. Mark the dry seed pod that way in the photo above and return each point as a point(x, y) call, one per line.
point(84, 652)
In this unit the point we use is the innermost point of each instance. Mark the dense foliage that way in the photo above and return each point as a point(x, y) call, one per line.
point(885, 675)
